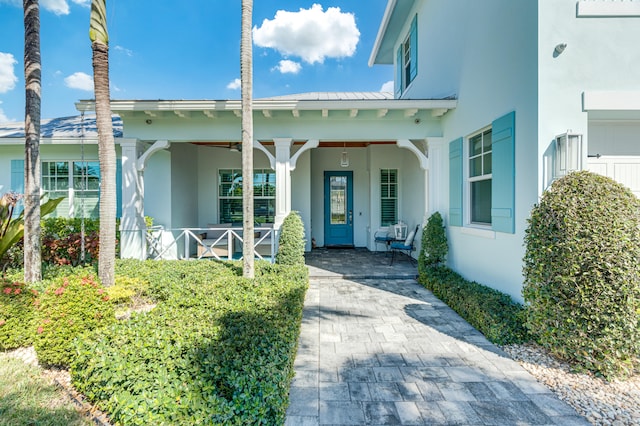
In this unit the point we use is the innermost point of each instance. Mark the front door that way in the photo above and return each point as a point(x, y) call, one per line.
point(338, 209)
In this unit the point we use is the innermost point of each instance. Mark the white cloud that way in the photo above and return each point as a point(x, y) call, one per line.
point(235, 84)
point(286, 66)
point(8, 77)
point(387, 87)
point(58, 7)
point(311, 34)
point(3, 117)
point(124, 50)
point(80, 81)
point(85, 3)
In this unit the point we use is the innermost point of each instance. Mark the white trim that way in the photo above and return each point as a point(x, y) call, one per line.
point(381, 31)
point(601, 8)
point(611, 100)
point(478, 232)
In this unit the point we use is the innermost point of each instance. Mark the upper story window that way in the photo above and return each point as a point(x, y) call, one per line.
point(407, 59)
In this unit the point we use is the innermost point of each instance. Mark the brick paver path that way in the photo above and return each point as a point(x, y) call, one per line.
point(387, 352)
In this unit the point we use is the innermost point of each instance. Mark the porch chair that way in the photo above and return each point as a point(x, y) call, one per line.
point(383, 236)
point(404, 246)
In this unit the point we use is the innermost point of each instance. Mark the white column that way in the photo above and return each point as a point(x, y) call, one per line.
point(132, 225)
point(283, 179)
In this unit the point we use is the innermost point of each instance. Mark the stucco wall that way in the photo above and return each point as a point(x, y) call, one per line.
point(485, 53)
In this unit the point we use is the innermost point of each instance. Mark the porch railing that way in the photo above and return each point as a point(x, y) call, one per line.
point(191, 243)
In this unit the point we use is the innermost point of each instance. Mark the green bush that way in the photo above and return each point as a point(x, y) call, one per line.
point(217, 349)
point(434, 246)
point(69, 307)
point(582, 275)
point(16, 314)
point(291, 242)
point(493, 313)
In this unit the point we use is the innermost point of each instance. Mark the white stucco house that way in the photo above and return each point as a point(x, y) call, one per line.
point(493, 100)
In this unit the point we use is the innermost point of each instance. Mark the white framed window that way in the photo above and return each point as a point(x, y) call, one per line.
point(230, 195)
point(479, 177)
point(77, 181)
point(407, 59)
point(388, 197)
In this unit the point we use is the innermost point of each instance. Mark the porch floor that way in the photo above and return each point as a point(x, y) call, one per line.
point(358, 263)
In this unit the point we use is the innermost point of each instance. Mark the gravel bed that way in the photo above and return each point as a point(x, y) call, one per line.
point(601, 402)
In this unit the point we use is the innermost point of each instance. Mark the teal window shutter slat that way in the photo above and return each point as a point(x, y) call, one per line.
point(398, 83)
point(119, 187)
point(17, 182)
point(413, 37)
point(503, 174)
point(455, 182)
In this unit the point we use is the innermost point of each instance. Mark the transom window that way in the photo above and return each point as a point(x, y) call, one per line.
point(77, 181)
point(388, 197)
point(479, 179)
point(230, 195)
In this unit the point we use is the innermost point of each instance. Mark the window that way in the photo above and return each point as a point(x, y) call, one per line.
point(388, 197)
point(482, 177)
point(479, 178)
point(407, 59)
point(78, 182)
point(230, 195)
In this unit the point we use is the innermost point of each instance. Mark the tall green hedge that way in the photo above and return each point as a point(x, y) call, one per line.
point(582, 273)
point(291, 242)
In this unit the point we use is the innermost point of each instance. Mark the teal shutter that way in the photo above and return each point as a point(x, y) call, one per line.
point(398, 85)
point(17, 182)
point(503, 181)
point(118, 187)
point(455, 182)
point(413, 41)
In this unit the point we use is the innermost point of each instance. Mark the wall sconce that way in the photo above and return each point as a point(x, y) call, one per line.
point(344, 157)
point(568, 154)
point(148, 121)
point(559, 49)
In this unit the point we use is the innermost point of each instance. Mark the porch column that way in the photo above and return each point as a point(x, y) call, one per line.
point(132, 225)
point(283, 179)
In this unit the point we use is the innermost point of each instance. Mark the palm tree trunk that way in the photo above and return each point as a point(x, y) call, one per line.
point(32, 77)
point(106, 144)
point(246, 76)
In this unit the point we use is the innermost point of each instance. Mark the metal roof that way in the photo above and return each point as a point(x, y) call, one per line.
point(63, 127)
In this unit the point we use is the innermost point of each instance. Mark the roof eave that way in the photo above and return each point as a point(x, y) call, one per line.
point(393, 20)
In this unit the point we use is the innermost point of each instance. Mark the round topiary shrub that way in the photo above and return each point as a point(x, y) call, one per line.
point(69, 307)
point(582, 273)
point(16, 314)
point(434, 246)
point(291, 242)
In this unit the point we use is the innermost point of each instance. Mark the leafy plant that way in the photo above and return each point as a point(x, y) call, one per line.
point(434, 243)
point(16, 314)
point(69, 307)
point(12, 229)
point(291, 242)
point(217, 349)
point(493, 313)
point(582, 276)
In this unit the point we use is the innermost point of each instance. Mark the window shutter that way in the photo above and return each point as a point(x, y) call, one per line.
point(455, 182)
point(118, 187)
point(413, 41)
point(503, 174)
point(17, 182)
point(398, 82)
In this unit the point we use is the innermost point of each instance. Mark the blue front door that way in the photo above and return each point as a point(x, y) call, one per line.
point(338, 209)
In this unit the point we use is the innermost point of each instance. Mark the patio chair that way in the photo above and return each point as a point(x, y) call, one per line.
point(383, 236)
point(406, 246)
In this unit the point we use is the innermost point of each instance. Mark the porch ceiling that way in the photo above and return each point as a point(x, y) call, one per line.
point(213, 109)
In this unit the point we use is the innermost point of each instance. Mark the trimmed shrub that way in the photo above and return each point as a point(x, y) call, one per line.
point(493, 313)
point(582, 275)
point(218, 348)
point(291, 242)
point(69, 307)
point(16, 314)
point(434, 244)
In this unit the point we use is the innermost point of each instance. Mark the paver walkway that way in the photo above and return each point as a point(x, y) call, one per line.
point(387, 352)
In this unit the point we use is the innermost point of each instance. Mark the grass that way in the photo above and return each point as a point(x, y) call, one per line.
point(27, 398)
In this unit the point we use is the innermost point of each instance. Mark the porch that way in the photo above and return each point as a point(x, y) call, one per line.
point(358, 263)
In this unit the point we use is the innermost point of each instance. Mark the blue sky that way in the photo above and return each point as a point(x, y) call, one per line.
point(168, 49)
